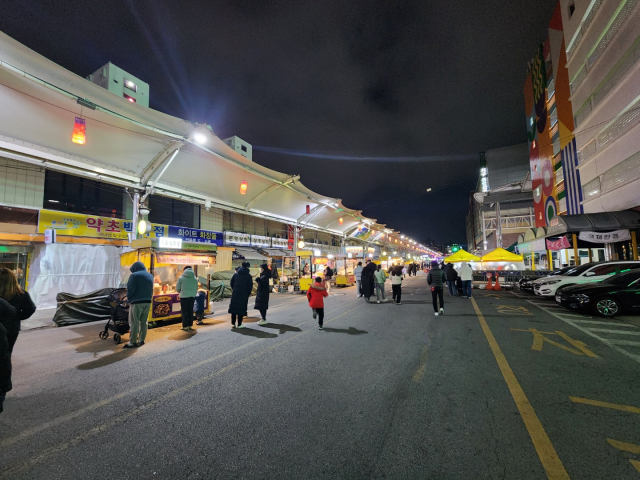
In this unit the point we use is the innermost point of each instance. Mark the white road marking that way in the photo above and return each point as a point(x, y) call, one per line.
point(623, 332)
point(613, 324)
point(626, 342)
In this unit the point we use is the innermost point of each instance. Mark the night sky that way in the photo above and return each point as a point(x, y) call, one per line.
point(384, 98)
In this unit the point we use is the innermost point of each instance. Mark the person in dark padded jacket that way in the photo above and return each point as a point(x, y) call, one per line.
point(241, 286)
point(139, 293)
point(262, 294)
point(437, 278)
point(15, 306)
point(451, 279)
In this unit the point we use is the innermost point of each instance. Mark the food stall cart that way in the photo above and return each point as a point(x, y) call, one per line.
point(305, 264)
point(345, 268)
point(165, 259)
point(285, 262)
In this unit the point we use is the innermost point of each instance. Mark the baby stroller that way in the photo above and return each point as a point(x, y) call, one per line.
point(119, 320)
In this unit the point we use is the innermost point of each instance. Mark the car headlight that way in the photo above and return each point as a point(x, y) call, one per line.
point(552, 282)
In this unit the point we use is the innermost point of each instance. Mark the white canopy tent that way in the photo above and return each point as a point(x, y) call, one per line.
point(134, 146)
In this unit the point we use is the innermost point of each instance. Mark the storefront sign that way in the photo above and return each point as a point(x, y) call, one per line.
point(279, 242)
point(233, 238)
point(260, 241)
point(560, 244)
point(362, 233)
point(168, 242)
point(605, 237)
point(185, 259)
point(320, 261)
point(193, 235)
point(49, 235)
point(78, 225)
point(352, 249)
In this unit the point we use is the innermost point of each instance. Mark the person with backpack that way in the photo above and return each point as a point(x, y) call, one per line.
point(199, 306)
point(315, 295)
point(437, 278)
point(396, 285)
point(451, 280)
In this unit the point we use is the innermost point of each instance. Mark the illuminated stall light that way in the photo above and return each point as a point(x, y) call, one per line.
point(243, 187)
point(341, 220)
point(79, 135)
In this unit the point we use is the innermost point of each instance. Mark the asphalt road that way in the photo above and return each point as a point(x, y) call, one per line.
point(385, 391)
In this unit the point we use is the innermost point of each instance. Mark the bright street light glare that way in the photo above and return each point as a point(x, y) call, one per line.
point(200, 138)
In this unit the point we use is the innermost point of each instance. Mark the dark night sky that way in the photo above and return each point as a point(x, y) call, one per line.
point(435, 81)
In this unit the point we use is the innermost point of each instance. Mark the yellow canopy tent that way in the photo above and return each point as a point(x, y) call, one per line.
point(461, 256)
point(501, 255)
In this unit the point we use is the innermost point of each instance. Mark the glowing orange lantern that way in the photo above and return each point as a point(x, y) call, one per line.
point(79, 135)
point(243, 187)
point(341, 220)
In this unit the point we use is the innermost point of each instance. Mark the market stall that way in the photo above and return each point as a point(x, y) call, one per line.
point(165, 258)
point(284, 261)
point(345, 268)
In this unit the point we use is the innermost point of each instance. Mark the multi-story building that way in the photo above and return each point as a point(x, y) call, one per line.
point(603, 61)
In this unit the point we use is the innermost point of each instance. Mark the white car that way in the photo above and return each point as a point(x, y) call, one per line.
point(587, 273)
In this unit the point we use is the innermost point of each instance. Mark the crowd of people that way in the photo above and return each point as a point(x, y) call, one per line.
point(16, 304)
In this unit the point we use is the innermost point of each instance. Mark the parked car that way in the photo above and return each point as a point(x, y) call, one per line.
point(587, 273)
point(526, 283)
point(612, 296)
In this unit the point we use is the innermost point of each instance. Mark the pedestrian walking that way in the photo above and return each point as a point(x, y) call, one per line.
point(367, 279)
point(358, 274)
point(241, 286)
point(451, 280)
point(15, 305)
point(199, 306)
point(328, 275)
point(466, 275)
point(139, 293)
point(396, 286)
point(437, 278)
point(187, 288)
point(315, 295)
point(379, 278)
point(262, 295)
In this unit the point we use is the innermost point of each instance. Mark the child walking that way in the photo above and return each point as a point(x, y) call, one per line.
point(315, 295)
point(198, 306)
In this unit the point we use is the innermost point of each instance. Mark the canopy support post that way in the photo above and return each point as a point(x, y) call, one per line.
point(549, 259)
point(576, 259)
point(634, 244)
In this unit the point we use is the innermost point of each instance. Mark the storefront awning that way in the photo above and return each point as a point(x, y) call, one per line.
point(501, 255)
point(594, 222)
point(249, 254)
point(278, 252)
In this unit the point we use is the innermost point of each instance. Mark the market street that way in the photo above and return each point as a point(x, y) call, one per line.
point(384, 391)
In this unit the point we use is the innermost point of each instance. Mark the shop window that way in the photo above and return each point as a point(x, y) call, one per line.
point(171, 211)
point(69, 193)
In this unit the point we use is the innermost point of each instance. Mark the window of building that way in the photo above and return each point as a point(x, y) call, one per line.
point(572, 8)
point(69, 193)
point(128, 97)
point(130, 85)
point(171, 211)
point(244, 148)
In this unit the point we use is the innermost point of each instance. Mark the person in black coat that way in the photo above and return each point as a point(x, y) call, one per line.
point(262, 296)
point(368, 279)
point(15, 306)
point(451, 279)
point(241, 286)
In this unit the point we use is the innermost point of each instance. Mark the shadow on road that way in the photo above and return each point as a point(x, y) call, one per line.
point(181, 335)
point(350, 330)
point(281, 327)
point(249, 332)
point(108, 359)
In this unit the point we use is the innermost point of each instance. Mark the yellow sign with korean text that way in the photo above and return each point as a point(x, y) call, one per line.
point(78, 225)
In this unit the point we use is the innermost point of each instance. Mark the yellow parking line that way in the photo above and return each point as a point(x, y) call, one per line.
point(613, 406)
point(546, 452)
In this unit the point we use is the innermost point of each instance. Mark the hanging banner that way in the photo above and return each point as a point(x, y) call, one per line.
point(279, 242)
point(260, 241)
point(362, 233)
point(78, 225)
point(560, 244)
point(192, 235)
point(605, 237)
point(234, 238)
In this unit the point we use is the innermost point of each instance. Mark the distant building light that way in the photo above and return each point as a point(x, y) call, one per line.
point(130, 85)
point(200, 138)
point(131, 99)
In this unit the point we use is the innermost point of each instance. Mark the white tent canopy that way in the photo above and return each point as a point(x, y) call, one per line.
point(131, 145)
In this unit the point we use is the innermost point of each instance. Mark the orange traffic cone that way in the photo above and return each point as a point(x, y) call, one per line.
point(489, 286)
point(497, 284)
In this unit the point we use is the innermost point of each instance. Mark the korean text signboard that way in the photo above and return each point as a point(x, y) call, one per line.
point(605, 237)
point(192, 235)
point(78, 225)
point(279, 242)
point(234, 238)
